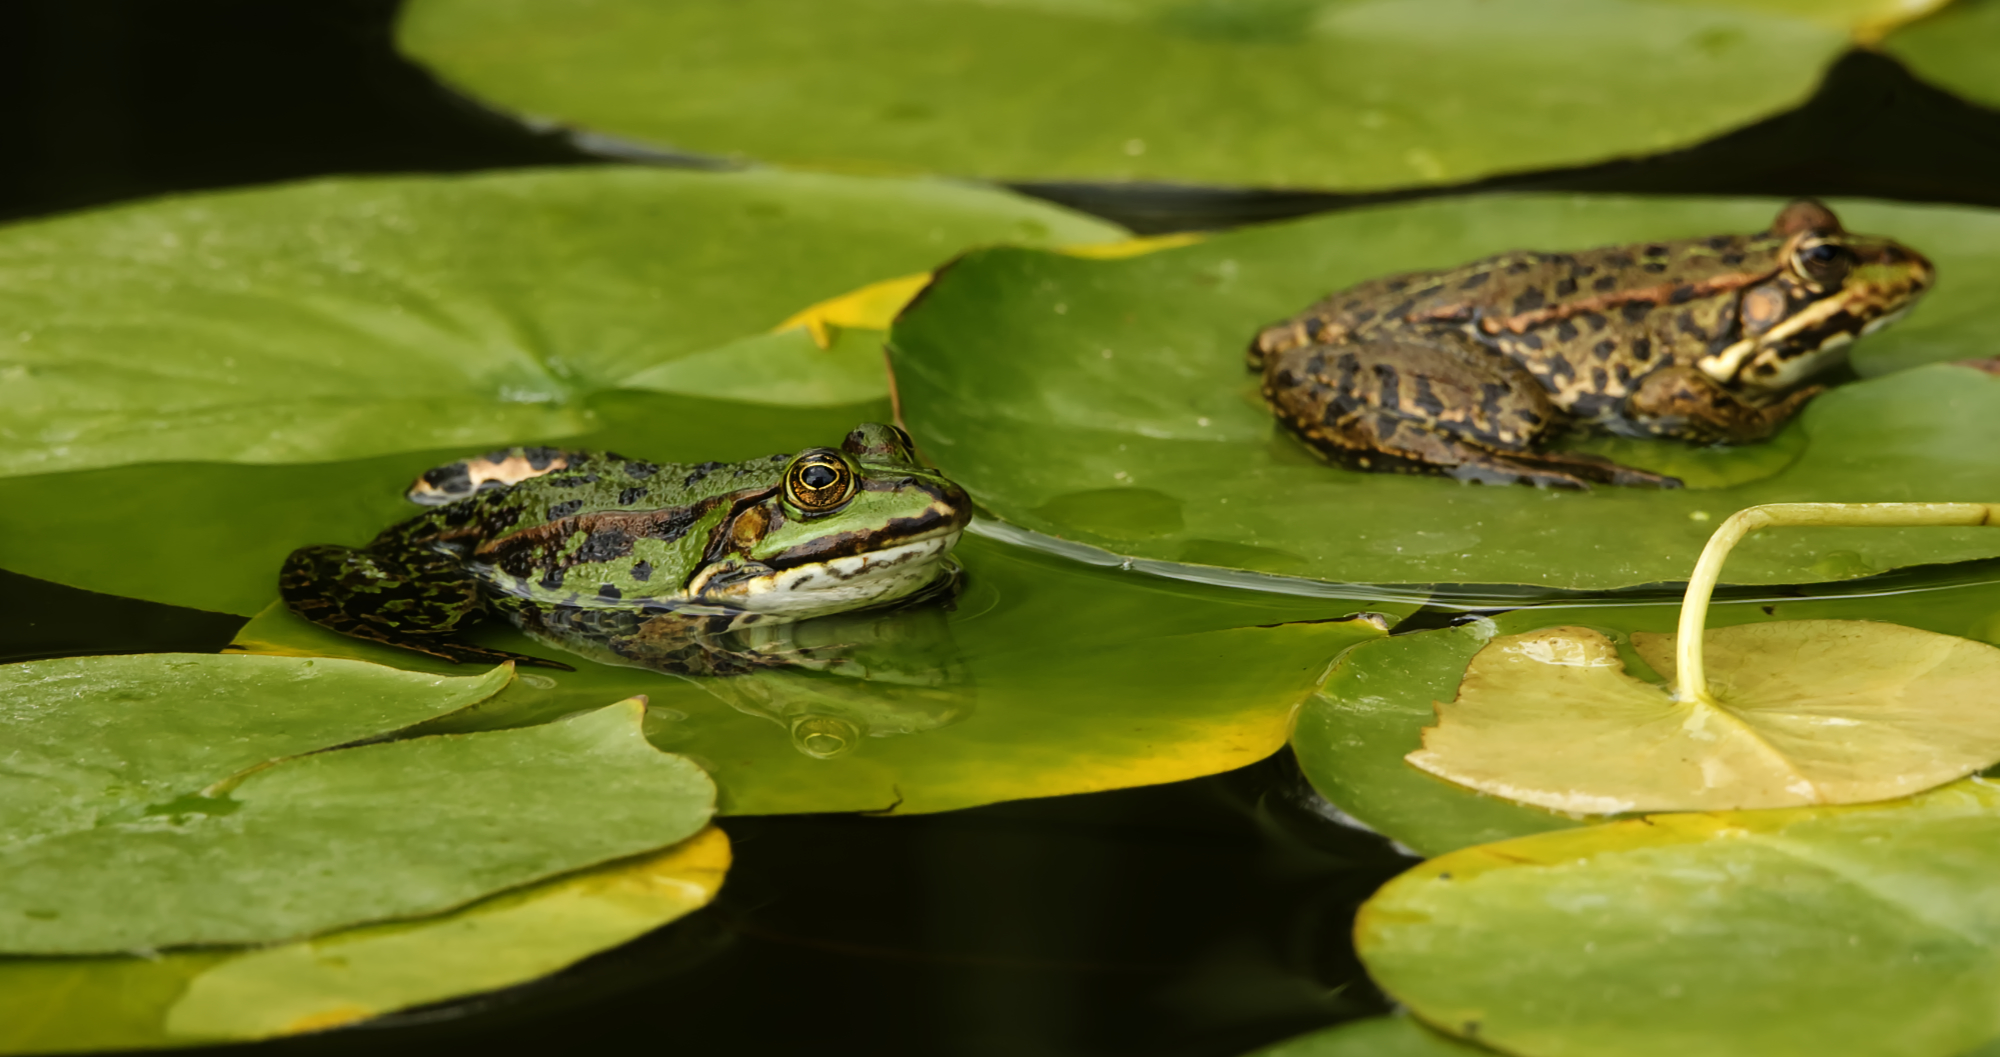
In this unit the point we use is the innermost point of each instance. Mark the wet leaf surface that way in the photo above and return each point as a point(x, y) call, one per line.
point(1285, 93)
point(1353, 736)
point(1045, 678)
point(56, 1005)
point(92, 741)
point(1803, 931)
point(1805, 712)
point(318, 842)
point(1105, 401)
point(355, 317)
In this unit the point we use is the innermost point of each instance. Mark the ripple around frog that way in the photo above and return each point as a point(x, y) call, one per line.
point(828, 682)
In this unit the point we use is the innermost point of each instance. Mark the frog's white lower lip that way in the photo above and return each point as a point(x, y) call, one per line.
point(831, 586)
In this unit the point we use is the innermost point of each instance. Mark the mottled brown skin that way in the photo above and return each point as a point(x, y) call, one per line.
point(1468, 371)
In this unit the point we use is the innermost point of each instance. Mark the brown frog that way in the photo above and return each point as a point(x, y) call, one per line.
point(1468, 371)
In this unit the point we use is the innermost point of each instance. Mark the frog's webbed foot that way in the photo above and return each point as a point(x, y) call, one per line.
point(414, 601)
point(1555, 470)
point(1684, 403)
point(1398, 447)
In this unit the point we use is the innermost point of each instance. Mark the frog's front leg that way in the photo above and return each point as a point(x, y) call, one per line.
point(1684, 403)
point(1436, 406)
point(413, 600)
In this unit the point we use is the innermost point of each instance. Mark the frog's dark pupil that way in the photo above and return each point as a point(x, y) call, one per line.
point(1824, 253)
point(818, 476)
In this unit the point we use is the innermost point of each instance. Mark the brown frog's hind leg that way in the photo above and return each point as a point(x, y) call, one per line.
point(413, 601)
point(1423, 407)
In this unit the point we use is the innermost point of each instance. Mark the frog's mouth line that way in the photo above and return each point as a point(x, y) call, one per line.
point(1824, 315)
point(814, 587)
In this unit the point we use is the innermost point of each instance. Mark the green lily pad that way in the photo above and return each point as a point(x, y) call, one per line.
point(1353, 735)
point(99, 740)
point(1953, 49)
point(1802, 931)
point(1050, 387)
point(64, 1005)
point(1374, 1037)
point(392, 830)
point(1353, 95)
point(1046, 677)
point(1805, 712)
point(354, 317)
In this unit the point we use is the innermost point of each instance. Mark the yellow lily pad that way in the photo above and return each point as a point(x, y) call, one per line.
point(66, 1005)
point(1804, 712)
point(512, 937)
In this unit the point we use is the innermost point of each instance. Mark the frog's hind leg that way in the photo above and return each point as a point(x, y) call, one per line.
point(495, 469)
point(1424, 407)
point(413, 601)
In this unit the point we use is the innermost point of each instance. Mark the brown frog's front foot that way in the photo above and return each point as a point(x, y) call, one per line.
point(1682, 402)
point(1435, 406)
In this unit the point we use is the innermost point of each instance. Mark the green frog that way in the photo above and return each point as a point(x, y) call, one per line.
point(1469, 371)
point(693, 549)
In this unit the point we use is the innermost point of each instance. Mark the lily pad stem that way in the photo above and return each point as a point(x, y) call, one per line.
point(1693, 681)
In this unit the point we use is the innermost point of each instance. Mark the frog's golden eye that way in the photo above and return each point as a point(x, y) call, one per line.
point(1823, 264)
point(819, 481)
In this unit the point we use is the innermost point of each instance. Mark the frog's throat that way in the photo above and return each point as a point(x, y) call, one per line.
point(829, 586)
point(1726, 366)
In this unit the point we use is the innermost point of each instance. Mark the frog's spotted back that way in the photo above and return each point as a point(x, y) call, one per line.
point(1467, 371)
point(454, 481)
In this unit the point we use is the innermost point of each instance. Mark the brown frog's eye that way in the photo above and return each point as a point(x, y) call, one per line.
point(819, 481)
point(1823, 264)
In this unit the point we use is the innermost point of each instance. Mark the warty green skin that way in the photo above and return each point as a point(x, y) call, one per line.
point(712, 545)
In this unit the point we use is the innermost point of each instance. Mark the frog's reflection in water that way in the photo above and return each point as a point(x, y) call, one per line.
point(829, 682)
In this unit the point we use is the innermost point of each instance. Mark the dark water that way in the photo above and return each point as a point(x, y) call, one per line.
point(1203, 918)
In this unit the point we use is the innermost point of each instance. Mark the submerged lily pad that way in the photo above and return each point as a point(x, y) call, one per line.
point(1045, 677)
point(1353, 736)
point(392, 830)
point(60, 1005)
point(1953, 49)
point(1805, 712)
point(353, 317)
point(1105, 401)
point(1790, 933)
point(1352, 95)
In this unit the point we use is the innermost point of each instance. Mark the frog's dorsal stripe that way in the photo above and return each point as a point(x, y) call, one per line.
point(1663, 294)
